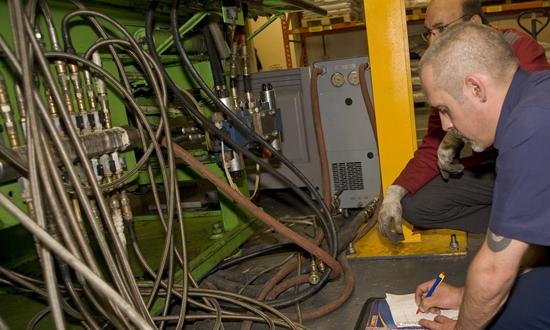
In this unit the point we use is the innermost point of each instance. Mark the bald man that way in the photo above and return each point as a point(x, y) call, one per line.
point(459, 198)
point(472, 77)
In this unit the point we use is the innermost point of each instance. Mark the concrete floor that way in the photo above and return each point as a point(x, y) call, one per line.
point(374, 277)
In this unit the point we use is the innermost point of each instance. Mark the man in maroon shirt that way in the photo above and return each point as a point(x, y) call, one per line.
point(459, 198)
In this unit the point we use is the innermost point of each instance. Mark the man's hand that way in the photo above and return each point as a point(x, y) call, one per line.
point(447, 155)
point(445, 297)
point(389, 217)
point(440, 322)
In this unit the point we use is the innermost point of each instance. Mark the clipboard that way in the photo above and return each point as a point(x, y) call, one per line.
point(376, 315)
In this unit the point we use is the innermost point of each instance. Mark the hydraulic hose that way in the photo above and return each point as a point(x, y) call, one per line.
point(149, 23)
point(347, 290)
point(215, 63)
point(76, 264)
point(35, 208)
point(242, 127)
point(372, 117)
point(321, 145)
point(255, 210)
point(250, 255)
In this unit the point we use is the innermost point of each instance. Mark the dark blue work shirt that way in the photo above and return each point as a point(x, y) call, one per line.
point(521, 199)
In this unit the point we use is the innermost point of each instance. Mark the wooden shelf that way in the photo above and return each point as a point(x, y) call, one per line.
point(414, 15)
point(312, 30)
point(419, 13)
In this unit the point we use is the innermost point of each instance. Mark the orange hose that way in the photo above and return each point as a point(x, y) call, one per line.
point(368, 99)
point(372, 117)
point(347, 290)
point(320, 136)
point(287, 284)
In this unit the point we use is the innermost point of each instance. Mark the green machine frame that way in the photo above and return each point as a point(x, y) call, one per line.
point(212, 235)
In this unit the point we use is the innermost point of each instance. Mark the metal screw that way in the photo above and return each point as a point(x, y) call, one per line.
point(217, 231)
point(453, 245)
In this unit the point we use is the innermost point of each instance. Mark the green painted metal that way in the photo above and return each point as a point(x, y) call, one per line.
point(211, 235)
point(17, 309)
point(184, 29)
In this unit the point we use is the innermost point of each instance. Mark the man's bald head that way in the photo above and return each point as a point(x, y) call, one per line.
point(468, 48)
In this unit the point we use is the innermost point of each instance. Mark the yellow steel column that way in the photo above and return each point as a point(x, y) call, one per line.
point(386, 27)
point(388, 46)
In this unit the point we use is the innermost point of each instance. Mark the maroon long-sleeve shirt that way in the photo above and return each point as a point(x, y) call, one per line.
point(422, 168)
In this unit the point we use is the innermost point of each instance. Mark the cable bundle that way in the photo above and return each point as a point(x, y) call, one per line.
point(76, 198)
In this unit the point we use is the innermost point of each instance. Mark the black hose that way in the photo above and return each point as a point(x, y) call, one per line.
point(214, 59)
point(149, 22)
point(242, 127)
point(258, 252)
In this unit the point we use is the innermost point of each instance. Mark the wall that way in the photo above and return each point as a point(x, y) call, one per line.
point(269, 44)
point(336, 46)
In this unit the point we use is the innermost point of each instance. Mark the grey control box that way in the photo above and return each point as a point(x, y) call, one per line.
point(351, 147)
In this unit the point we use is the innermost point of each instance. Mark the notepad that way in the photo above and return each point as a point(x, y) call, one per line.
point(403, 309)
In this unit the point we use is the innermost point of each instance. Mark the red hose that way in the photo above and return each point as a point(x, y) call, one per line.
point(347, 290)
point(320, 136)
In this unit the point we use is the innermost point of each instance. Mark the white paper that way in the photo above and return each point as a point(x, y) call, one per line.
point(403, 310)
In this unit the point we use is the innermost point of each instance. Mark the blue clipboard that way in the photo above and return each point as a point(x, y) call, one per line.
point(376, 315)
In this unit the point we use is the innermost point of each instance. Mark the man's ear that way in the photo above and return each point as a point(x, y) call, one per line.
point(475, 88)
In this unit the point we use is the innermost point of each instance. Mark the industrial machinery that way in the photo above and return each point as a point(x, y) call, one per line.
point(126, 143)
point(347, 129)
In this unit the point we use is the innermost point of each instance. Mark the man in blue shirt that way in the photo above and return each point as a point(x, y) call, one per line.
point(470, 74)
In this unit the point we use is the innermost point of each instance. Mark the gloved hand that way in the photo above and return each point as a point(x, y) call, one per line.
point(447, 155)
point(389, 217)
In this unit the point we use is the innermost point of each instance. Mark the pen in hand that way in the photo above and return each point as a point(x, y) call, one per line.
point(437, 282)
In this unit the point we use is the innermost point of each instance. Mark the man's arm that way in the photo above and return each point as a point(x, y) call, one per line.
point(490, 278)
point(422, 168)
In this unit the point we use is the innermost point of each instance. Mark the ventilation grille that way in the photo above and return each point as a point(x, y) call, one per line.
point(347, 176)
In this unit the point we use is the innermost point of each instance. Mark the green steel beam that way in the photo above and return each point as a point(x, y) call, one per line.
point(264, 26)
